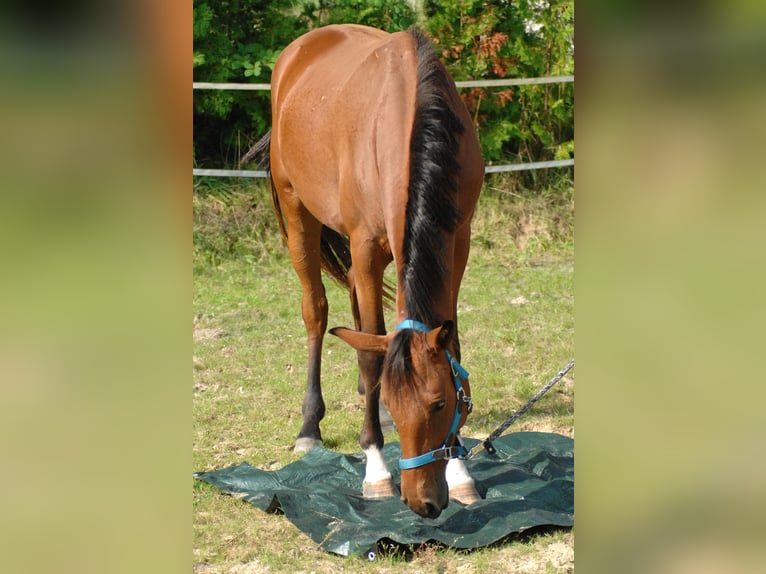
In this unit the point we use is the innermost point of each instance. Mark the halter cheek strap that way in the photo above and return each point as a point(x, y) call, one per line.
point(444, 452)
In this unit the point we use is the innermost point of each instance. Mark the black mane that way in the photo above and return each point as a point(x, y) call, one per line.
point(431, 206)
point(432, 185)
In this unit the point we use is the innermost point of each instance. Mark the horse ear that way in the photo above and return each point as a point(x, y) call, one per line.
point(441, 336)
point(362, 341)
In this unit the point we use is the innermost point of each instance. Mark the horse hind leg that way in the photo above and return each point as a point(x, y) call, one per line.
point(303, 244)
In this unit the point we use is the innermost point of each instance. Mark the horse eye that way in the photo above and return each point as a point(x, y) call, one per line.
point(439, 406)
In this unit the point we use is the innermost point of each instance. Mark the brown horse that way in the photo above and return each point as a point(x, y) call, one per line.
point(374, 158)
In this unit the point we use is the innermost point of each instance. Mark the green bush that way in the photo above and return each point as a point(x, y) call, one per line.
point(528, 38)
point(239, 41)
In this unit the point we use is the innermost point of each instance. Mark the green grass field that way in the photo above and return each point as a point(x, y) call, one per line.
point(516, 314)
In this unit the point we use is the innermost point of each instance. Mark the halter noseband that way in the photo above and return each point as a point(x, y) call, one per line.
point(444, 452)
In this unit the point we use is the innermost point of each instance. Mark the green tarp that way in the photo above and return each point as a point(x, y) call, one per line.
point(528, 482)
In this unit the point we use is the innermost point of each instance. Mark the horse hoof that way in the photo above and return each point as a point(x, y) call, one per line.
point(464, 493)
point(305, 444)
point(380, 489)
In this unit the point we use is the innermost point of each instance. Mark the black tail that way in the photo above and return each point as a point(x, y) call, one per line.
point(335, 252)
point(334, 248)
point(259, 149)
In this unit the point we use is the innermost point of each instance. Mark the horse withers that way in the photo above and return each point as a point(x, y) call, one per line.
point(374, 158)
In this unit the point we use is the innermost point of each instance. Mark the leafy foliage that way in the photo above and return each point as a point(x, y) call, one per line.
point(481, 40)
point(239, 41)
point(236, 41)
point(384, 14)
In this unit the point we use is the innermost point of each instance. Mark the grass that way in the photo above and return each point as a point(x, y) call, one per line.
point(517, 329)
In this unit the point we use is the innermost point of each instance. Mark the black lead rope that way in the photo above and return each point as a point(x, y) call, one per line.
point(487, 444)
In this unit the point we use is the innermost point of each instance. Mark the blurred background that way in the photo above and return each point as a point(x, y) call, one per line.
point(97, 112)
point(669, 277)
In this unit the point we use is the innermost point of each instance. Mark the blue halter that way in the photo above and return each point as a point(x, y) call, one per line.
point(444, 452)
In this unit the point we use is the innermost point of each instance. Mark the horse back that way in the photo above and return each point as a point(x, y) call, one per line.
point(343, 104)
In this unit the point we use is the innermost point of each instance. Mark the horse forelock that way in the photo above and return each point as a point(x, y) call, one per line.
point(398, 372)
point(431, 209)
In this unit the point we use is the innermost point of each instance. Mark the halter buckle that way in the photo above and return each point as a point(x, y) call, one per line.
point(462, 398)
point(447, 452)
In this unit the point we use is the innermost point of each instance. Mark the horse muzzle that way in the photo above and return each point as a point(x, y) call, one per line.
point(426, 496)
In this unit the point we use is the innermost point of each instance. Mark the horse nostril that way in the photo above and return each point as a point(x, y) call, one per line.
point(431, 510)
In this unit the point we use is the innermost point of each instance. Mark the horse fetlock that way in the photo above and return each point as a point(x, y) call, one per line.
point(313, 407)
point(462, 487)
point(378, 482)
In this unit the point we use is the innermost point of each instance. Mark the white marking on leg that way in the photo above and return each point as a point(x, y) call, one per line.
point(457, 473)
point(375, 470)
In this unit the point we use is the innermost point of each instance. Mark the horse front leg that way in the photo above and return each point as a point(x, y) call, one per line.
point(378, 481)
point(386, 422)
point(461, 486)
point(357, 320)
point(369, 263)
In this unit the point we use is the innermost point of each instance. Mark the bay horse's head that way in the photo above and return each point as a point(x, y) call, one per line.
point(428, 395)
